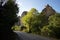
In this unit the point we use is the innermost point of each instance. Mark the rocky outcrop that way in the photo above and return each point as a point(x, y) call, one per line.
point(24, 13)
point(48, 10)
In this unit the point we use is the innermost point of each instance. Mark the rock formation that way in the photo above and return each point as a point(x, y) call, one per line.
point(24, 13)
point(48, 10)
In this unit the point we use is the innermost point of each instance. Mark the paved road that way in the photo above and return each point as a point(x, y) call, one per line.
point(26, 36)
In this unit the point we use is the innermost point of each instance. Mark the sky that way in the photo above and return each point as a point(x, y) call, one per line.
point(26, 5)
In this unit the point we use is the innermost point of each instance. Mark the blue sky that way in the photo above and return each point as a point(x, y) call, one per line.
point(26, 5)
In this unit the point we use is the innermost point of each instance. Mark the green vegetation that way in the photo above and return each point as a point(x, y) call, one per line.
point(41, 23)
point(16, 28)
point(31, 20)
point(8, 17)
point(37, 23)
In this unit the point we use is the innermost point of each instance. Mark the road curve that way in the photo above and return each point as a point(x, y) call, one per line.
point(26, 36)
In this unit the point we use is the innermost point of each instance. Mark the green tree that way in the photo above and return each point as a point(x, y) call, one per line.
point(52, 29)
point(45, 31)
point(54, 25)
point(44, 20)
point(32, 21)
point(8, 16)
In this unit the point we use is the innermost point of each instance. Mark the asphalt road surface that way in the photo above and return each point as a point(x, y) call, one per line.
point(26, 36)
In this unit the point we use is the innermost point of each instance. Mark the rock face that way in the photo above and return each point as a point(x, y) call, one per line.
point(48, 10)
point(24, 13)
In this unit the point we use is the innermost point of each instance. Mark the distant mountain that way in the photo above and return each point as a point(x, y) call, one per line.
point(48, 10)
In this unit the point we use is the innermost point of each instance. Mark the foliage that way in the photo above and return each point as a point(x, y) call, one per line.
point(54, 23)
point(8, 15)
point(45, 31)
point(34, 21)
point(16, 28)
point(38, 23)
point(44, 20)
point(52, 30)
point(31, 20)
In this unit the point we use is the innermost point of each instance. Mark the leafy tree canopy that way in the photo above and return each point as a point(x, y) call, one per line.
point(8, 14)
